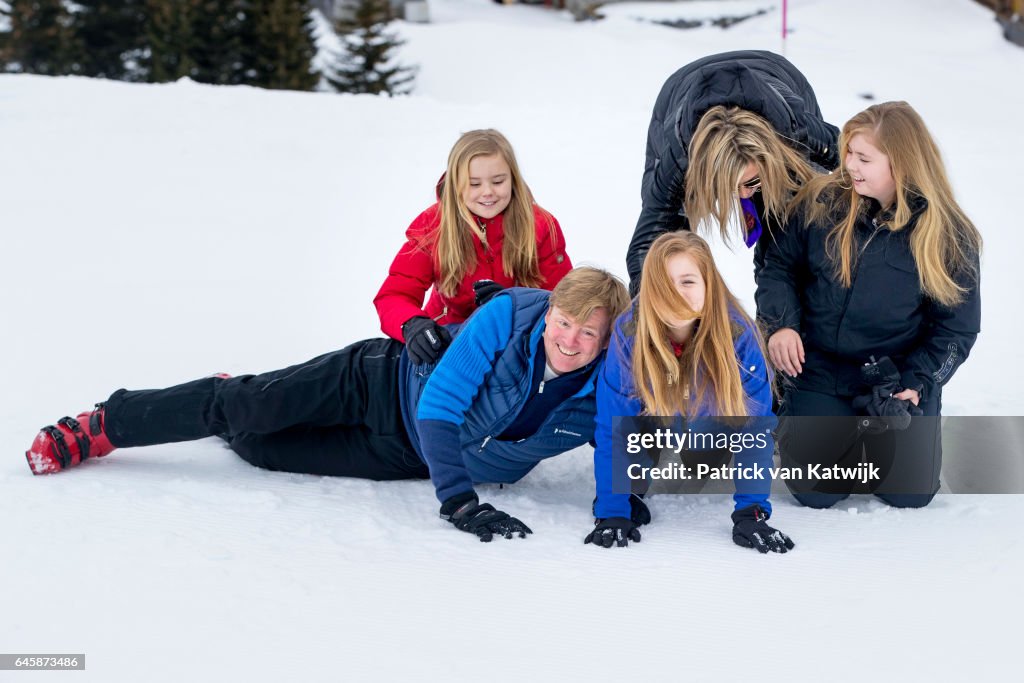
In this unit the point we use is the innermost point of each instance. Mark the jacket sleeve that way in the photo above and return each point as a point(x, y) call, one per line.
point(822, 141)
point(409, 278)
point(952, 332)
point(759, 448)
point(614, 399)
point(452, 389)
point(777, 295)
point(552, 257)
point(814, 136)
point(661, 193)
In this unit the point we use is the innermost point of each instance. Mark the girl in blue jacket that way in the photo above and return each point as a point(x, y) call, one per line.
point(687, 349)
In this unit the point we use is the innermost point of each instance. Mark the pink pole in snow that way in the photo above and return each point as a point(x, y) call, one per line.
point(785, 6)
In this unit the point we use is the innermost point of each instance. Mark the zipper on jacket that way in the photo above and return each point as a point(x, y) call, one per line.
point(511, 415)
point(483, 445)
point(540, 389)
point(853, 278)
point(443, 313)
point(878, 228)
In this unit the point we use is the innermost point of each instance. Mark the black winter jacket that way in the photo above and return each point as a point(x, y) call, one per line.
point(883, 313)
point(761, 82)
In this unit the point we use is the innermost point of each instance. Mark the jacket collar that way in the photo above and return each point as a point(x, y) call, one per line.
point(873, 210)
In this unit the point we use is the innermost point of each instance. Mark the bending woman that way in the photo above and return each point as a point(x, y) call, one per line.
point(731, 139)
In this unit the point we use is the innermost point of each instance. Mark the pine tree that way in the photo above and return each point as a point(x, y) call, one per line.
point(280, 46)
point(202, 39)
point(110, 38)
point(218, 49)
point(169, 40)
point(367, 64)
point(267, 43)
point(39, 39)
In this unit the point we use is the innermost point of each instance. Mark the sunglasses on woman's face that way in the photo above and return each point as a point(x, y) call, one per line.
point(753, 184)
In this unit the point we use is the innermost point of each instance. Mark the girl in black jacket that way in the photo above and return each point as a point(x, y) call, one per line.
point(731, 138)
point(878, 261)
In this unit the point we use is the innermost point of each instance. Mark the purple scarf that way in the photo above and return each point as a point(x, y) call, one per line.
point(751, 221)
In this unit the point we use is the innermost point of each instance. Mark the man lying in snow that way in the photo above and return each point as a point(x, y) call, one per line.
point(516, 386)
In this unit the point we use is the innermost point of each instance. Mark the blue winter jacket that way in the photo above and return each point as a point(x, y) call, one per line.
point(616, 397)
point(478, 388)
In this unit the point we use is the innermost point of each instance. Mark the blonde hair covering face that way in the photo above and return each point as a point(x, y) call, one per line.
point(707, 374)
point(725, 141)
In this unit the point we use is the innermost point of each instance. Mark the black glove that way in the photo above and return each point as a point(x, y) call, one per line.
point(613, 530)
point(466, 513)
point(425, 340)
point(484, 291)
point(881, 378)
point(638, 512)
point(750, 530)
point(884, 411)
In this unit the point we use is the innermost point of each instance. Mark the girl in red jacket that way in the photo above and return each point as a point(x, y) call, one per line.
point(484, 227)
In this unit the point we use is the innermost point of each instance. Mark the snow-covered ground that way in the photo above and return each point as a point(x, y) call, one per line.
point(153, 234)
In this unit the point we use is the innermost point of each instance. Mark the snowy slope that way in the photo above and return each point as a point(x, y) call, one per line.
point(153, 234)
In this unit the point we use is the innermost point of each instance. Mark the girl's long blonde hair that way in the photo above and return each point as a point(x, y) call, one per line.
point(454, 254)
point(944, 242)
point(725, 141)
point(708, 373)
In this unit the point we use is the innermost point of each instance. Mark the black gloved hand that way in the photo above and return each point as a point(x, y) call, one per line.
point(425, 340)
point(613, 530)
point(750, 529)
point(466, 513)
point(881, 378)
point(484, 291)
point(884, 411)
point(638, 512)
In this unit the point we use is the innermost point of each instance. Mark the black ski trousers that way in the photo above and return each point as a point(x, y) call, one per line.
point(337, 414)
point(825, 432)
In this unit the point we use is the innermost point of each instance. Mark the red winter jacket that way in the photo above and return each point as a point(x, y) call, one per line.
point(414, 271)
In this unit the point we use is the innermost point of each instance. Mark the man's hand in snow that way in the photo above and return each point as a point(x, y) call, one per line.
point(467, 514)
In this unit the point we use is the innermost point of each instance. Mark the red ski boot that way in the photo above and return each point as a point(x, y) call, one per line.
point(69, 442)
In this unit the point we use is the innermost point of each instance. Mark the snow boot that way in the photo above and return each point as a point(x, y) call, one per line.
point(69, 442)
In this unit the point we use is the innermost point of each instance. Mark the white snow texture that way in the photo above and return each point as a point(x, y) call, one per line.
point(158, 233)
